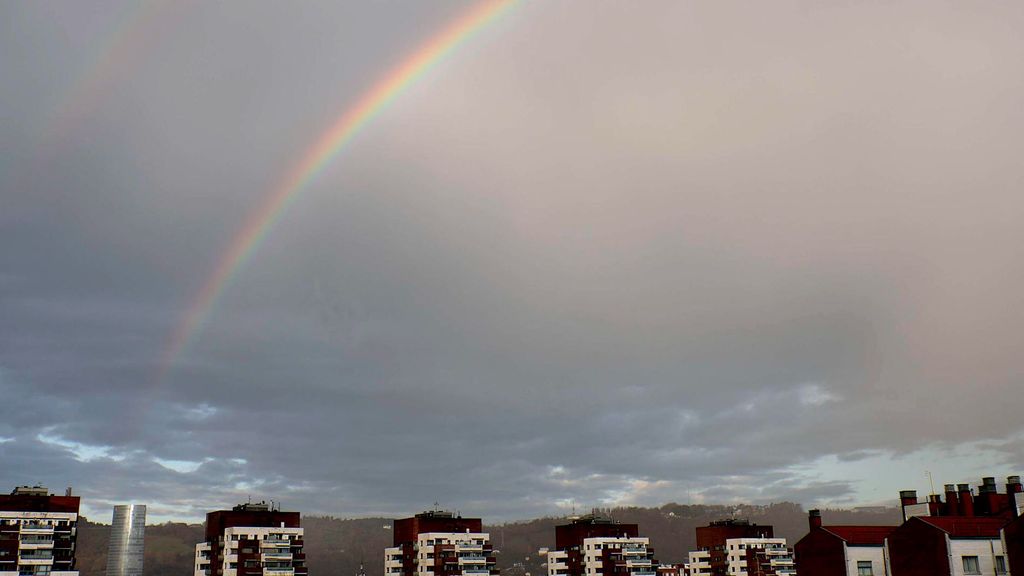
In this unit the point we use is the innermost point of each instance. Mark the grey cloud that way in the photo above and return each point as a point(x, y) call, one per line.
point(597, 255)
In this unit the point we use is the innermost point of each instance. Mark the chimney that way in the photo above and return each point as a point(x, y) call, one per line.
point(908, 497)
point(934, 505)
point(814, 519)
point(1013, 485)
point(966, 500)
point(952, 504)
point(1014, 494)
point(988, 484)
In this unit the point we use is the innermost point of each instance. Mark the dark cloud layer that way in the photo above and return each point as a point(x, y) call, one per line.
point(717, 251)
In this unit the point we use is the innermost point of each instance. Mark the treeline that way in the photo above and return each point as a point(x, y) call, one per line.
point(336, 547)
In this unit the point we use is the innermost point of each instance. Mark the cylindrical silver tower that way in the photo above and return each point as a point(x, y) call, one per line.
point(127, 534)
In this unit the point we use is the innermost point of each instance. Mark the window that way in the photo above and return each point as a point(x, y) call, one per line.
point(864, 568)
point(971, 565)
point(1000, 564)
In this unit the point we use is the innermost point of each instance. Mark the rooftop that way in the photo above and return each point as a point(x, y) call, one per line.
point(966, 526)
point(861, 535)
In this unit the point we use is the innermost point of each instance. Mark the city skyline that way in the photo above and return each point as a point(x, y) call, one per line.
point(514, 257)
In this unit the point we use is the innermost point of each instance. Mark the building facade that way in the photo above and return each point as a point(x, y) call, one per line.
point(127, 540)
point(596, 546)
point(731, 547)
point(842, 550)
point(1013, 543)
point(956, 533)
point(38, 533)
point(947, 546)
point(250, 540)
point(438, 543)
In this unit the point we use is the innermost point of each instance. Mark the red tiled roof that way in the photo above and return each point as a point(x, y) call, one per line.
point(861, 535)
point(967, 526)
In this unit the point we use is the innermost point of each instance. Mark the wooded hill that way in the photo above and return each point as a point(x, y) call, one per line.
point(335, 547)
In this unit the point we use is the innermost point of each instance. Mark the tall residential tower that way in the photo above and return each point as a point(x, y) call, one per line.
point(251, 540)
point(438, 543)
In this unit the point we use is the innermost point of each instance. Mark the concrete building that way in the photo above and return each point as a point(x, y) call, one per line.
point(947, 546)
point(731, 547)
point(597, 546)
point(38, 533)
point(841, 550)
point(127, 540)
point(438, 543)
point(249, 540)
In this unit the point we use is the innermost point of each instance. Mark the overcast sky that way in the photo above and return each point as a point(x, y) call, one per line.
point(606, 253)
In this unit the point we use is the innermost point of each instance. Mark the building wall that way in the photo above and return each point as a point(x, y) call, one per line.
point(985, 549)
point(1013, 543)
point(918, 549)
point(820, 553)
point(873, 554)
point(618, 557)
point(127, 540)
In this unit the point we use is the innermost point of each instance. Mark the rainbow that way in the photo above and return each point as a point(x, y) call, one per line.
point(123, 50)
point(312, 163)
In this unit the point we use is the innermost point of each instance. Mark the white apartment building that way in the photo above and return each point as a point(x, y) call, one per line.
point(606, 556)
point(439, 543)
point(38, 532)
point(772, 555)
point(251, 540)
point(268, 550)
point(447, 553)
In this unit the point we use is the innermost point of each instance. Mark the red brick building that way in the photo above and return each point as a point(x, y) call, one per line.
point(841, 550)
point(947, 546)
point(438, 543)
point(598, 546)
point(729, 547)
point(38, 532)
point(251, 540)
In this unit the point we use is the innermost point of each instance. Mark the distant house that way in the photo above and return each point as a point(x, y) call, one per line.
point(838, 550)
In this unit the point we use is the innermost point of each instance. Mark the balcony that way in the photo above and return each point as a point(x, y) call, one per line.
point(469, 547)
point(36, 529)
point(36, 545)
point(278, 571)
point(30, 561)
point(276, 557)
point(472, 559)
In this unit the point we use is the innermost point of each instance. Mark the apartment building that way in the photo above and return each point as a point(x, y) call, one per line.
point(38, 532)
point(841, 550)
point(439, 543)
point(598, 546)
point(734, 547)
point(250, 540)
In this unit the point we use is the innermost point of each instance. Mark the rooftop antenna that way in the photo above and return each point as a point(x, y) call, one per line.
point(931, 484)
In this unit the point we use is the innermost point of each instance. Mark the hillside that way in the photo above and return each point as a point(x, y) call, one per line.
point(335, 547)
